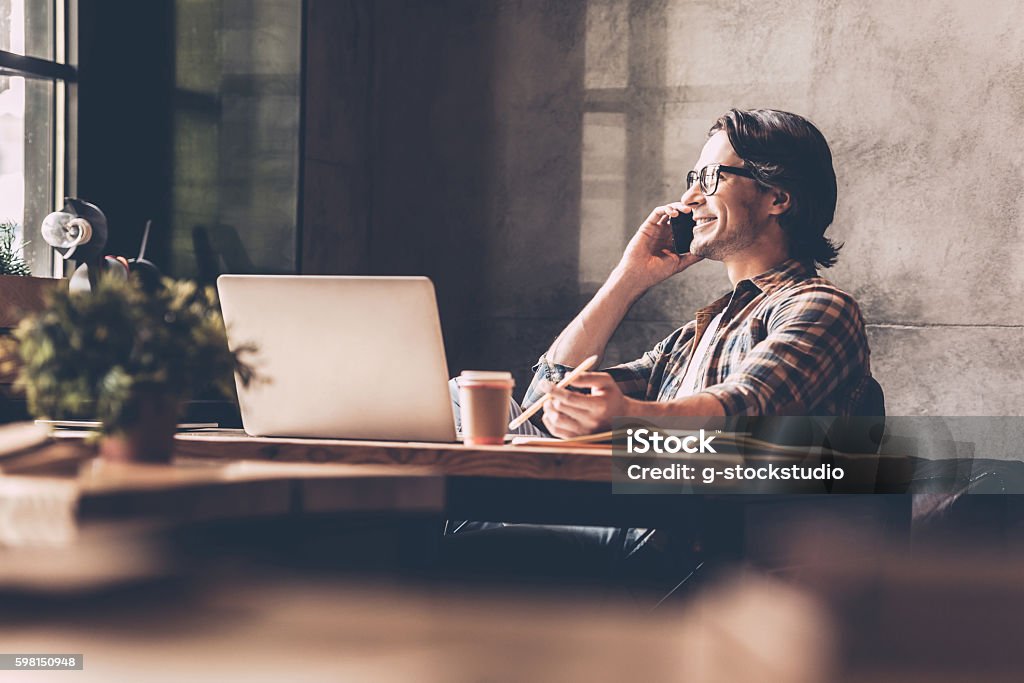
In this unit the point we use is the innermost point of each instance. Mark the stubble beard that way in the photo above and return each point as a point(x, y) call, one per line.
point(721, 247)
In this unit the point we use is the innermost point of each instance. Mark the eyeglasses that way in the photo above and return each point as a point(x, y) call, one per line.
point(708, 176)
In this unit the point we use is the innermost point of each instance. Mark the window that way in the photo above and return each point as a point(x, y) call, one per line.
point(36, 95)
point(604, 220)
point(237, 94)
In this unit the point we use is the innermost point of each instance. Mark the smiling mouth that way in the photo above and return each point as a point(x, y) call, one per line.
point(703, 220)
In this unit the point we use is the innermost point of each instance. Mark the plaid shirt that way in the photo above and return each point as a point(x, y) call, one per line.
point(789, 343)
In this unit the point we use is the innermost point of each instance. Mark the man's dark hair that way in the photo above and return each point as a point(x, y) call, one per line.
point(788, 152)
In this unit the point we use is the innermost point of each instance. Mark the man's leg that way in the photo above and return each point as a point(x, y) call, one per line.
point(531, 552)
point(537, 550)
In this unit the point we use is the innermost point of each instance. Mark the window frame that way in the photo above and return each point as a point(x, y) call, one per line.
point(62, 71)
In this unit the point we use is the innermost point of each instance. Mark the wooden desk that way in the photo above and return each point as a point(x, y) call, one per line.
point(203, 489)
point(512, 483)
point(517, 462)
point(508, 483)
point(453, 481)
point(483, 482)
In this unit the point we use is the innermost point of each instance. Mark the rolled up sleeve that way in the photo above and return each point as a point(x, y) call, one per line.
point(543, 371)
point(633, 378)
point(815, 343)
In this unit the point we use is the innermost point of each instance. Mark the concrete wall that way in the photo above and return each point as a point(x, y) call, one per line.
point(517, 144)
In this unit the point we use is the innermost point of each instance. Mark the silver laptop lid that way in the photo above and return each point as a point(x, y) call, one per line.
point(343, 357)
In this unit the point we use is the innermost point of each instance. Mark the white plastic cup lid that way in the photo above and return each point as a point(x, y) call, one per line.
point(486, 376)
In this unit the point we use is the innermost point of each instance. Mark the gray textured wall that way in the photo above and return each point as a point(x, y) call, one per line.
point(530, 138)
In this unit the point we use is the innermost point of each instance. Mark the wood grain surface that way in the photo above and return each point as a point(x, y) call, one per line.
point(567, 464)
point(189, 490)
point(20, 296)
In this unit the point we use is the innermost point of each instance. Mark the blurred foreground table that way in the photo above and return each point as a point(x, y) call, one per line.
point(278, 628)
point(94, 522)
point(937, 618)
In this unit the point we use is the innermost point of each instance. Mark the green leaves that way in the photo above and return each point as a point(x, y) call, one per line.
point(11, 262)
point(90, 353)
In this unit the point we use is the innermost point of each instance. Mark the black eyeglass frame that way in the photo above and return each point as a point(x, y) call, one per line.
point(693, 176)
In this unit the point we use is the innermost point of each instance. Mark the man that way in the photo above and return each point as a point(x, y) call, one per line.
point(783, 341)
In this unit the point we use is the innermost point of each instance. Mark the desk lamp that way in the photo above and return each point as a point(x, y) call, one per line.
point(79, 230)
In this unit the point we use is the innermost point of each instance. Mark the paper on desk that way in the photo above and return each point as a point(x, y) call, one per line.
point(598, 440)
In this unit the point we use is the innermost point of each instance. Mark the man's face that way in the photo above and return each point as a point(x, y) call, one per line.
point(734, 219)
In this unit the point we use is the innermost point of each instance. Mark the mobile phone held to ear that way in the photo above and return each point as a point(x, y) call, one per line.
point(682, 232)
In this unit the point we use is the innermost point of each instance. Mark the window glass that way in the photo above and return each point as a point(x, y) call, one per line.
point(236, 136)
point(26, 162)
point(26, 28)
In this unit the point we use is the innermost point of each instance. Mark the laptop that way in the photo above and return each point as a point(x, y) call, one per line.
point(340, 357)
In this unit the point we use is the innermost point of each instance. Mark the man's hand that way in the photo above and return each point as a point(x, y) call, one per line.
point(568, 414)
point(649, 257)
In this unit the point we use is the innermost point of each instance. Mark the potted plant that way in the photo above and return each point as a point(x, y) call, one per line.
point(20, 294)
point(128, 359)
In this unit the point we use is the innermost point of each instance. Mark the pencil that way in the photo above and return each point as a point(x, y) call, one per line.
point(529, 412)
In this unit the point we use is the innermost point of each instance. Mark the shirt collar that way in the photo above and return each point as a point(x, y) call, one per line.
point(787, 271)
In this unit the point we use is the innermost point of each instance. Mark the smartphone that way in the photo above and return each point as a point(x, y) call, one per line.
point(682, 232)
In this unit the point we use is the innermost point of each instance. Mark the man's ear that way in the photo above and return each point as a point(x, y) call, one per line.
point(782, 201)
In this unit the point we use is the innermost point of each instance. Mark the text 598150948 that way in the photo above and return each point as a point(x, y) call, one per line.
point(9, 662)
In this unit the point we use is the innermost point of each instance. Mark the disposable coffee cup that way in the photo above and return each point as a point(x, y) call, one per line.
point(484, 398)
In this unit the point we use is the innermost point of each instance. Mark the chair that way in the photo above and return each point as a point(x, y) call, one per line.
point(858, 430)
point(218, 250)
point(862, 428)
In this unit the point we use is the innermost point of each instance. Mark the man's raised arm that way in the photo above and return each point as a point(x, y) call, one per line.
point(648, 259)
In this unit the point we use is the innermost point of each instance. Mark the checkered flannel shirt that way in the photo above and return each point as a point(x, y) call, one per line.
point(789, 343)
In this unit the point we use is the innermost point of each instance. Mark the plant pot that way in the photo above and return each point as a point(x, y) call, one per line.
point(149, 436)
point(20, 296)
